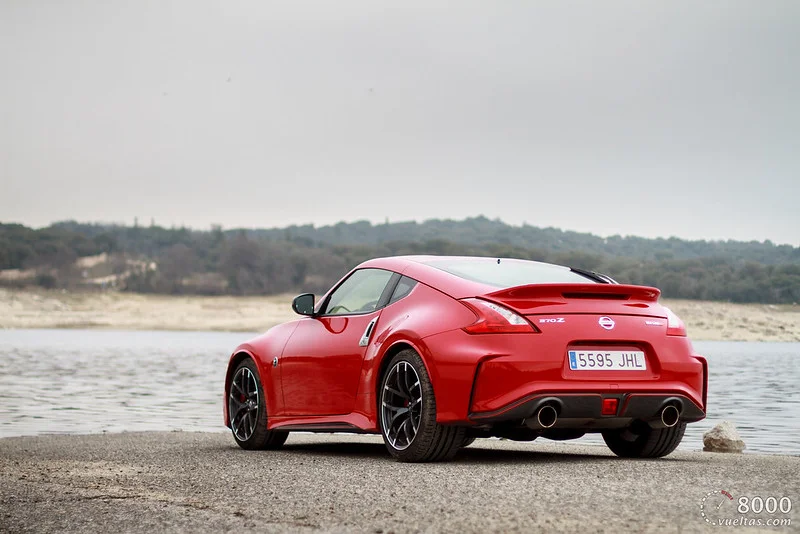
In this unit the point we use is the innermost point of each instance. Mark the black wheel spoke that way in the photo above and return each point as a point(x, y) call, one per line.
point(392, 408)
point(395, 392)
point(234, 427)
point(236, 422)
point(243, 409)
point(399, 382)
point(405, 430)
point(251, 421)
point(401, 412)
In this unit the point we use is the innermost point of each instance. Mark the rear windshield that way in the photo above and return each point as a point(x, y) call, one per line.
point(508, 273)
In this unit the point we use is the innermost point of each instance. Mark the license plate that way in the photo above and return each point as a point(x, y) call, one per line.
point(607, 360)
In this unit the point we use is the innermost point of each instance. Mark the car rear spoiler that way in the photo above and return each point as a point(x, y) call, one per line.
point(578, 291)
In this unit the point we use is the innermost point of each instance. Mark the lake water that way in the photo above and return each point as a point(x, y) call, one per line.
point(88, 381)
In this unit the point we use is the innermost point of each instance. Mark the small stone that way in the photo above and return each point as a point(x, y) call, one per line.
point(723, 438)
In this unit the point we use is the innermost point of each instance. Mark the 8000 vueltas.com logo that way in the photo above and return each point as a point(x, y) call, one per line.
point(721, 508)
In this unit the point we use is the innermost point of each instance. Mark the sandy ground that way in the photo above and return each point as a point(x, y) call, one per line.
point(708, 321)
point(131, 311)
point(201, 482)
point(723, 321)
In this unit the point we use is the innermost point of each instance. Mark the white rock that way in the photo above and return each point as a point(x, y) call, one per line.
point(723, 438)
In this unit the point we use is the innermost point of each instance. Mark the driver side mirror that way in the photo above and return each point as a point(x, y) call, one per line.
point(304, 304)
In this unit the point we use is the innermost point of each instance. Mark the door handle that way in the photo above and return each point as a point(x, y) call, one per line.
point(364, 341)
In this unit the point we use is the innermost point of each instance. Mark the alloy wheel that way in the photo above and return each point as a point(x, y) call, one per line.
point(243, 404)
point(401, 405)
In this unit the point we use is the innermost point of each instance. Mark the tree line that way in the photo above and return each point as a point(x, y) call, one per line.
point(154, 259)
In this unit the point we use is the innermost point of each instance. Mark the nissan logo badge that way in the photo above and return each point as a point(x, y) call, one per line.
point(606, 322)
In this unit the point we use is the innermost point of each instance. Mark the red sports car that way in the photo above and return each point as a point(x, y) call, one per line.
point(433, 352)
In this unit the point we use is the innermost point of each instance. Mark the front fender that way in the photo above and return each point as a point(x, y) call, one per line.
point(262, 350)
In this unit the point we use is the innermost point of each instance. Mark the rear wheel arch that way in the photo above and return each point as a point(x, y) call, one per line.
point(386, 358)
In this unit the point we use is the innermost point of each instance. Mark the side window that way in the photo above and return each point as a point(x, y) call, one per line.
point(360, 293)
point(404, 287)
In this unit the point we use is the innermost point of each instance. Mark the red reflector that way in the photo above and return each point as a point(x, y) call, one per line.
point(610, 406)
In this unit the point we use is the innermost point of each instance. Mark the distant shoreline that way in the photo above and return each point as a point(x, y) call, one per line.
point(706, 321)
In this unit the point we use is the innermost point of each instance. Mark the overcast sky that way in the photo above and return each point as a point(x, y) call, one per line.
point(642, 118)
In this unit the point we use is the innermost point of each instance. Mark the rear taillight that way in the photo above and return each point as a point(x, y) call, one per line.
point(675, 326)
point(496, 319)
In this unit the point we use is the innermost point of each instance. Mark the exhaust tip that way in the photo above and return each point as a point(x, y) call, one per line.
point(546, 416)
point(670, 416)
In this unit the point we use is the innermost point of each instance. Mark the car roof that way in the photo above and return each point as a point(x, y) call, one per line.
point(417, 267)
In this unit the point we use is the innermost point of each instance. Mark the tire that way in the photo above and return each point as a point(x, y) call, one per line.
point(468, 440)
point(407, 413)
point(247, 410)
point(645, 442)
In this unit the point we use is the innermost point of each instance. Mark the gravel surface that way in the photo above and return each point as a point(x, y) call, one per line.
point(182, 481)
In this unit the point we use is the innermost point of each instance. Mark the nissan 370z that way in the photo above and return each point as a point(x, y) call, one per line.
point(433, 352)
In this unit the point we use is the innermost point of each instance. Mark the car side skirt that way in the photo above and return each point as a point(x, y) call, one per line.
point(353, 422)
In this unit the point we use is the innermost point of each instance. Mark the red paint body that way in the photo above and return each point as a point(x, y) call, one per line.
point(325, 380)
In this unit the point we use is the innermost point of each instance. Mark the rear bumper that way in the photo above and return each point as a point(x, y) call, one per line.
point(584, 410)
point(493, 378)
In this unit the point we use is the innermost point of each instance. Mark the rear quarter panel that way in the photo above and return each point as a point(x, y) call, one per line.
point(425, 312)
